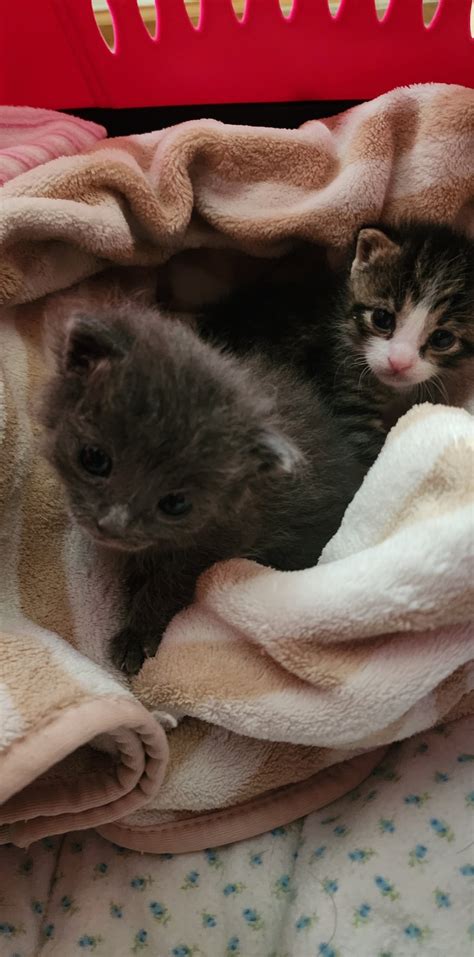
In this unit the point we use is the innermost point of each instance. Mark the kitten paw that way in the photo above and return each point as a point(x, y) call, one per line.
point(127, 651)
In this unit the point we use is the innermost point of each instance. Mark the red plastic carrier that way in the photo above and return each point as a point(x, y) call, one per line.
point(53, 55)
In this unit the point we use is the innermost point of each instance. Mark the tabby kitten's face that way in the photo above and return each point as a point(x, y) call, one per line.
point(413, 304)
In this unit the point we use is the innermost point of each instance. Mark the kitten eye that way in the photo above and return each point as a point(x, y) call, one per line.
point(175, 505)
point(442, 339)
point(95, 461)
point(383, 319)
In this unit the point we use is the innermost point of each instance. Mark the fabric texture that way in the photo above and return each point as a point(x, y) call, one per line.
point(277, 676)
point(387, 871)
point(29, 137)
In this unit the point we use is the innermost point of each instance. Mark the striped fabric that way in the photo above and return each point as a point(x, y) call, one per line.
point(285, 683)
point(29, 137)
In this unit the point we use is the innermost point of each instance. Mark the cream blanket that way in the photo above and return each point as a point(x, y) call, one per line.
point(279, 675)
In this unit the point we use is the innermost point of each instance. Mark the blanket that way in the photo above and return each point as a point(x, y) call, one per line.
point(284, 682)
point(29, 137)
point(387, 869)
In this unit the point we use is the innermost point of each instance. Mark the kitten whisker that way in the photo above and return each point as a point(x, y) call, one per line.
point(440, 386)
point(365, 372)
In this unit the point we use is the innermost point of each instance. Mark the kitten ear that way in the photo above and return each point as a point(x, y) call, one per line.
point(89, 341)
point(372, 244)
point(276, 453)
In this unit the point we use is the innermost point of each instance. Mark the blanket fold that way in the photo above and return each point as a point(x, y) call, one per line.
point(285, 683)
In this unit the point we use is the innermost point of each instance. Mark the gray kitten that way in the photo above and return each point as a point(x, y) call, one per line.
point(394, 325)
point(179, 455)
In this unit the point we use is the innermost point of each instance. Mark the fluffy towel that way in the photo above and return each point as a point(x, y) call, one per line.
point(29, 137)
point(278, 675)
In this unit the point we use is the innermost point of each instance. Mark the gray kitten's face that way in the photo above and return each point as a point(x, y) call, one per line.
point(149, 433)
point(413, 304)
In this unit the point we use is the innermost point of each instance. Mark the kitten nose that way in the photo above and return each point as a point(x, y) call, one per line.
point(115, 520)
point(401, 359)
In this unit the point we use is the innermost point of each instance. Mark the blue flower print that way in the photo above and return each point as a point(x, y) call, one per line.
point(49, 843)
point(441, 898)
point(417, 800)
point(255, 860)
point(37, 907)
point(9, 930)
point(67, 904)
point(76, 847)
point(166, 857)
point(233, 947)
point(89, 943)
point(253, 918)
point(330, 886)
point(386, 825)
point(331, 820)
point(441, 829)
point(278, 832)
point(340, 830)
point(48, 931)
point(160, 913)
point(305, 922)
point(121, 851)
point(230, 889)
point(116, 910)
point(370, 796)
point(470, 799)
point(209, 920)
point(416, 933)
point(26, 866)
point(385, 773)
point(282, 886)
point(422, 748)
point(190, 881)
point(362, 915)
point(140, 941)
point(386, 888)
point(464, 758)
point(417, 855)
point(361, 854)
point(319, 853)
point(325, 950)
point(100, 870)
point(441, 777)
point(213, 858)
point(139, 883)
point(182, 950)
point(467, 870)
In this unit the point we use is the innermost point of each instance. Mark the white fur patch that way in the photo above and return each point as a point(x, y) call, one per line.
point(116, 518)
point(401, 353)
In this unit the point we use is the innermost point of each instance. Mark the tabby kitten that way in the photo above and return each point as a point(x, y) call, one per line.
point(178, 456)
point(406, 317)
point(393, 326)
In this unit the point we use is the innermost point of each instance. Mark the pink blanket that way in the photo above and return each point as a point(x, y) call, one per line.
point(29, 137)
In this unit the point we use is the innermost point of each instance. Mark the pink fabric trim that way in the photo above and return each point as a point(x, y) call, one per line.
point(247, 820)
point(35, 807)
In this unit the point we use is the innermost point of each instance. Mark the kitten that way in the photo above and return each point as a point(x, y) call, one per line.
point(179, 455)
point(394, 325)
point(406, 315)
